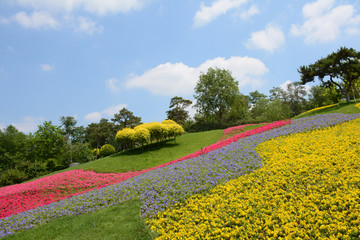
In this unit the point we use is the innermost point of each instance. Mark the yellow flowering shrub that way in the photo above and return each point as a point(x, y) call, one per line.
point(125, 137)
point(309, 188)
point(95, 152)
point(107, 150)
point(142, 135)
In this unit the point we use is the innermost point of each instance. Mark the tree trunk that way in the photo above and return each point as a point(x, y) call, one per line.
point(342, 90)
point(357, 91)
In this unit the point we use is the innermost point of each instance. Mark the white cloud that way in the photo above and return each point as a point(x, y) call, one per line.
point(88, 26)
point(324, 22)
point(253, 10)
point(207, 14)
point(102, 7)
point(284, 86)
point(29, 124)
point(108, 112)
point(114, 109)
point(36, 20)
point(47, 67)
point(93, 117)
point(112, 85)
point(171, 79)
point(269, 39)
point(2, 126)
point(4, 20)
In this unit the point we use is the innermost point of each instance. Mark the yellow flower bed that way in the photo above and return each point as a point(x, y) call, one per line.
point(357, 105)
point(309, 188)
point(319, 108)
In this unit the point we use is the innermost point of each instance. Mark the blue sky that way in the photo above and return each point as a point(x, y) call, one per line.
point(88, 58)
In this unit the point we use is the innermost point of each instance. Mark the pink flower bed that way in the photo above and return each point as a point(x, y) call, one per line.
point(230, 140)
point(25, 196)
point(236, 128)
point(22, 197)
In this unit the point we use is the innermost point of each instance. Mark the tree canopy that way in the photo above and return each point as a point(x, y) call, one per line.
point(177, 110)
point(341, 68)
point(215, 92)
point(125, 119)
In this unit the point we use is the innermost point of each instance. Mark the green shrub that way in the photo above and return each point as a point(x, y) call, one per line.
point(12, 176)
point(36, 169)
point(107, 150)
point(50, 164)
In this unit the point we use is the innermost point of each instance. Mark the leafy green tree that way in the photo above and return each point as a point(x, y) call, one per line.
point(321, 96)
point(255, 96)
point(258, 110)
point(296, 94)
point(293, 96)
point(277, 110)
point(340, 69)
point(239, 109)
point(215, 92)
point(125, 119)
point(14, 146)
point(48, 142)
point(177, 110)
point(68, 124)
point(98, 134)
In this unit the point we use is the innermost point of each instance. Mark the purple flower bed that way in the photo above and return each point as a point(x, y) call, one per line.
point(163, 187)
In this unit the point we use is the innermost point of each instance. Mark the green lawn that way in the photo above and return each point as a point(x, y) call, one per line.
point(347, 108)
point(118, 222)
point(154, 154)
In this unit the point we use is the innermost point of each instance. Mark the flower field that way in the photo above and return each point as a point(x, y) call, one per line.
point(22, 197)
point(308, 188)
point(172, 185)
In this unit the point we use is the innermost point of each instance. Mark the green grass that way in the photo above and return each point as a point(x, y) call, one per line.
point(347, 108)
point(152, 155)
point(118, 222)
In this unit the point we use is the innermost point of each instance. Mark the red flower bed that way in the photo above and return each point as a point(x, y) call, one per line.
point(230, 140)
point(22, 197)
point(230, 130)
point(25, 196)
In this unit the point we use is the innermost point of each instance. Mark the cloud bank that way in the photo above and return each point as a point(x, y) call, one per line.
point(172, 79)
point(325, 23)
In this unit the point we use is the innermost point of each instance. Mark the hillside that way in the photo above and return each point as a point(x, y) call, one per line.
point(163, 187)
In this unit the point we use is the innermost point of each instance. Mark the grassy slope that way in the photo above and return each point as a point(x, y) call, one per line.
point(121, 221)
point(347, 108)
point(154, 154)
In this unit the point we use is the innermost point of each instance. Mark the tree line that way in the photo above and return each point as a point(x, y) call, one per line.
point(218, 103)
